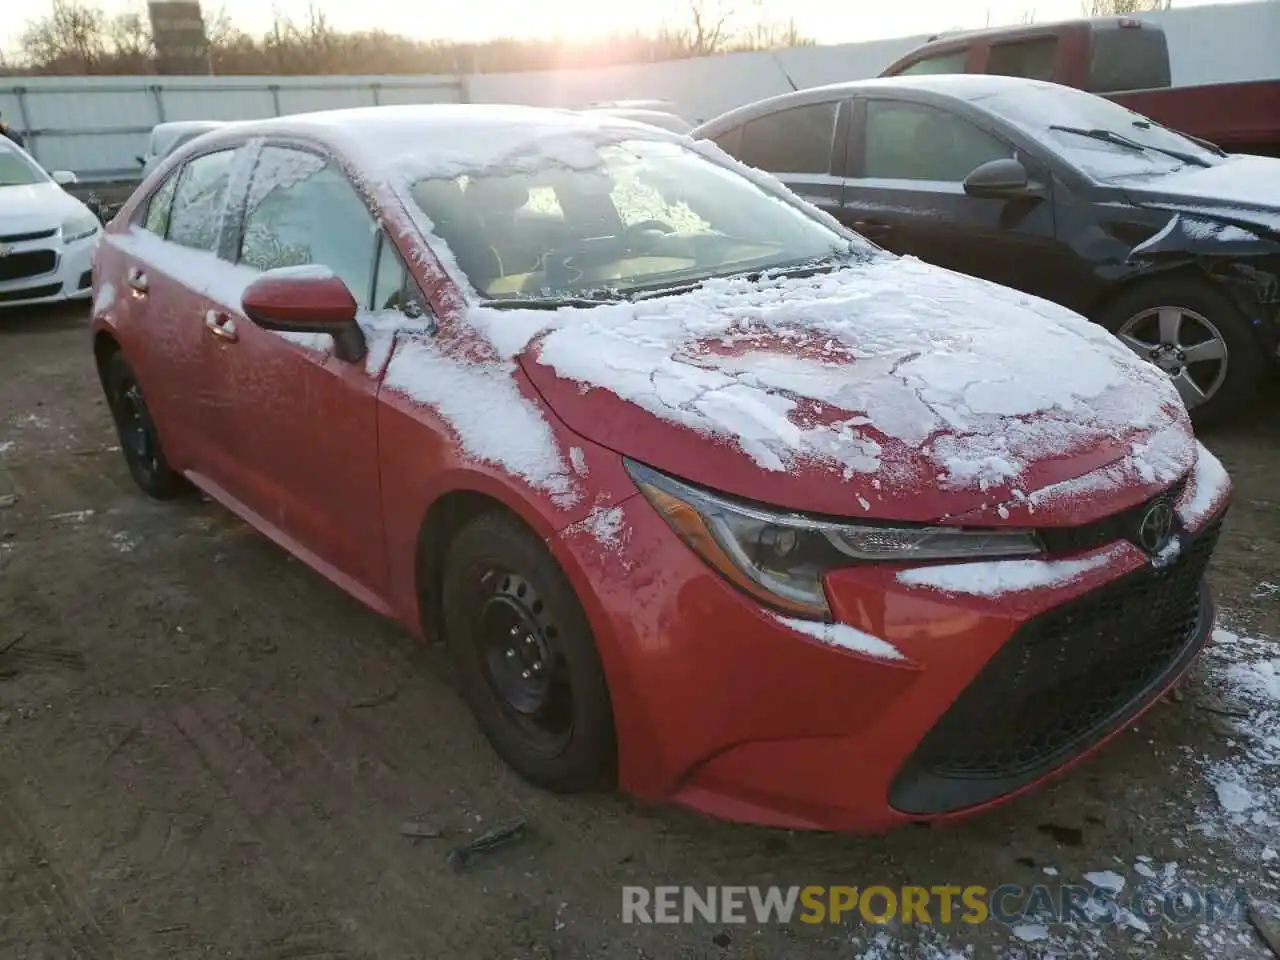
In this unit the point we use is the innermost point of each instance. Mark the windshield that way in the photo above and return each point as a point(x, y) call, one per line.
point(1040, 107)
point(17, 171)
point(650, 214)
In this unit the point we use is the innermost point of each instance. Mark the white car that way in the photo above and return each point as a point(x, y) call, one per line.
point(168, 137)
point(662, 119)
point(47, 236)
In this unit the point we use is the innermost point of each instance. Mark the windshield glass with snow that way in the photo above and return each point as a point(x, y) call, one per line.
point(649, 214)
point(16, 170)
point(1042, 108)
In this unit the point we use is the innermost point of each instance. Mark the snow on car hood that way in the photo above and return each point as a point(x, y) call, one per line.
point(887, 388)
point(1245, 189)
point(36, 206)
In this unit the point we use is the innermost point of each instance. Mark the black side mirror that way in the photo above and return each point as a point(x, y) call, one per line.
point(1001, 179)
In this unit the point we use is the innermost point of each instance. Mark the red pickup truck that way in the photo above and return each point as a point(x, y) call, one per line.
point(1124, 59)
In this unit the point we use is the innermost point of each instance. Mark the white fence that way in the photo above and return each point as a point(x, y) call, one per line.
point(97, 126)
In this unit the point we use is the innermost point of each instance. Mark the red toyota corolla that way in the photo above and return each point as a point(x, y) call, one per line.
point(709, 497)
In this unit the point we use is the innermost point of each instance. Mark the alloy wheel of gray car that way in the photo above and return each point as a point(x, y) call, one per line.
point(1184, 344)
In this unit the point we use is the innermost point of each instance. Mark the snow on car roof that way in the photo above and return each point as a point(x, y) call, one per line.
point(450, 138)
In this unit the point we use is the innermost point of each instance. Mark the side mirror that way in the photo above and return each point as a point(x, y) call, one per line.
point(308, 299)
point(1002, 179)
point(64, 177)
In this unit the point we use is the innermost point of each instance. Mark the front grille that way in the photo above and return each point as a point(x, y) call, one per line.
point(1108, 530)
point(24, 237)
point(1063, 681)
point(31, 293)
point(28, 263)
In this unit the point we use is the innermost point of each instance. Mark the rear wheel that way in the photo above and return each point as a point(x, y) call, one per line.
point(1195, 335)
point(526, 658)
point(139, 441)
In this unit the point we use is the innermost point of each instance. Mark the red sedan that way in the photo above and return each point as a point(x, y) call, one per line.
point(710, 498)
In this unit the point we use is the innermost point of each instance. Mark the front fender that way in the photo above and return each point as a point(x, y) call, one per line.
point(1242, 262)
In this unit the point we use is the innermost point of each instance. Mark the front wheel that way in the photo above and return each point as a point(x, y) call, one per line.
point(139, 440)
point(526, 659)
point(1195, 335)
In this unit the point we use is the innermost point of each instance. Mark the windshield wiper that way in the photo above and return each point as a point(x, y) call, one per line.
point(804, 268)
point(1198, 141)
point(1120, 140)
point(545, 303)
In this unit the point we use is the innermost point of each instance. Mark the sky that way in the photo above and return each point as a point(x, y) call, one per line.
point(827, 21)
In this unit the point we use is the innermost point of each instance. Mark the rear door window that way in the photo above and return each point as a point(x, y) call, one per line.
point(199, 204)
point(1033, 59)
point(158, 207)
point(791, 141)
point(954, 62)
point(1128, 58)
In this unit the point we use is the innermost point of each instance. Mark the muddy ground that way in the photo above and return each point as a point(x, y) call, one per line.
point(208, 751)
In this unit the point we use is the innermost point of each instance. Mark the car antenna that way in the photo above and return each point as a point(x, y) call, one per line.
point(786, 75)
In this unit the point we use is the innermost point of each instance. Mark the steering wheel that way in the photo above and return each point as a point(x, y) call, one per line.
point(649, 226)
point(641, 237)
point(568, 265)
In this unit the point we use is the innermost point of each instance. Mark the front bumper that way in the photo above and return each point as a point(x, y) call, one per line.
point(42, 269)
point(723, 708)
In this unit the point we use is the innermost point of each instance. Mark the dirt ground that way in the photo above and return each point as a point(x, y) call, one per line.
point(208, 751)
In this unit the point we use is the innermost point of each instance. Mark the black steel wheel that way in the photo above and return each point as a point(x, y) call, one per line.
point(139, 439)
point(526, 658)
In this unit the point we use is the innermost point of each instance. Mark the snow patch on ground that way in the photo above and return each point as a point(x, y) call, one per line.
point(1030, 932)
point(1107, 879)
point(74, 516)
point(844, 636)
point(923, 943)
point(1245, 809)
point(993, 578)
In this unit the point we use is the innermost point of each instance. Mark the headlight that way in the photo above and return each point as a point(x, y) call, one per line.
point(780, 558)
point(78, 227)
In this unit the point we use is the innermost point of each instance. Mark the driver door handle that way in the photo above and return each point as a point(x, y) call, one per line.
point(221, 326)
point(138, 280)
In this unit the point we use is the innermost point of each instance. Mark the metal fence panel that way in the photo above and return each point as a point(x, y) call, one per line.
point(97, 126)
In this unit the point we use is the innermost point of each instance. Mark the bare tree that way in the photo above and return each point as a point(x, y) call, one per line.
point(1028, 15)
point(129, 39)
point(77, 37)
point(710, 23)
point(1115, 8)
point(72, 38)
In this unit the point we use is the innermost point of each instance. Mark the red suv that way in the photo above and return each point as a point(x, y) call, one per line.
point(709, 497)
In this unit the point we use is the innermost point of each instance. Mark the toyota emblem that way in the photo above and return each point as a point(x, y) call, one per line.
point(1156, 525)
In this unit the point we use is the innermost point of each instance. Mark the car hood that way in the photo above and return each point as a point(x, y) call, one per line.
point(1244, 190)
point(36, 206)
point(887, 389)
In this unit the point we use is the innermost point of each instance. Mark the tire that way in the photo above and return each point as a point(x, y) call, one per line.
point(139, 440)
point(526, 660)
point(1136, 317)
